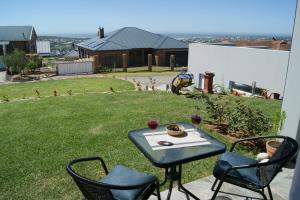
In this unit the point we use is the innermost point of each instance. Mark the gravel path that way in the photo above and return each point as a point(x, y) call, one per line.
point(160, 81)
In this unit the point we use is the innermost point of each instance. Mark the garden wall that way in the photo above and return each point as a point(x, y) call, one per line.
point(240, 64)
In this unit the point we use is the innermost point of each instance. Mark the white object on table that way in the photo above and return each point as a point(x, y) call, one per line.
point(193, 138)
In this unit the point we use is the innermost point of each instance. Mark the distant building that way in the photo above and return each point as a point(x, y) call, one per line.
point(260, 43)
point(43, 48)
point(136, 44)
point(17, 37)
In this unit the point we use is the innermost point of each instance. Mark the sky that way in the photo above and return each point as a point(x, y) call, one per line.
point(160, 16)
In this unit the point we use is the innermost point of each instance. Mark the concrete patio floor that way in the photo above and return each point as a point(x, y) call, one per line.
point(280, 187)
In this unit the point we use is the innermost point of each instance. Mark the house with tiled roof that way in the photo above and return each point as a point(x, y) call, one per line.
point(137, 45)
point(17, 37)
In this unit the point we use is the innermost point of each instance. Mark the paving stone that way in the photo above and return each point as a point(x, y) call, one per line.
point(201, 188)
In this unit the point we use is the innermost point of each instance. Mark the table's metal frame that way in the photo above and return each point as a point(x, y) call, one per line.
point(174, 174)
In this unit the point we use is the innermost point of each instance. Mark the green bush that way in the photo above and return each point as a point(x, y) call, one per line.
point(236, 116)
point(104, 69)
point(247, 120)
point(16, 61)
point(217, 108)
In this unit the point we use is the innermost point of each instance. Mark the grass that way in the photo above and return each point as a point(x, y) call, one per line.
point(39, 137)
point(143, 71)
point(77, 85)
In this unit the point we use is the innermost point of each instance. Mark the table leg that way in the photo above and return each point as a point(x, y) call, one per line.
point(170, 190)
point(180, 186)
point(175, 174)
point(166, 179)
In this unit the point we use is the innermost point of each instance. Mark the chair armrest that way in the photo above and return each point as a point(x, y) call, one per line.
point(89, 159)
point(255, 138)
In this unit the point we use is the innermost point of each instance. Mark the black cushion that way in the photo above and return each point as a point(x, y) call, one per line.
point(123, 176)
point(230, 159)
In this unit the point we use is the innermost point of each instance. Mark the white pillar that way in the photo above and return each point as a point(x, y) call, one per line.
point(3, 43)
point(291, 101)
point(291, 98)
point(294, 192)
point(4, 49)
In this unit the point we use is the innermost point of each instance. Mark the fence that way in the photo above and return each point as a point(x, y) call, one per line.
point(81, 66)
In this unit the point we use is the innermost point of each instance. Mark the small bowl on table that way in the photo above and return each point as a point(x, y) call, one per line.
point(175, 130)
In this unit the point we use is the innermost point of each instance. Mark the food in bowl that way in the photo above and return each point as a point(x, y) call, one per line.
point(175, 130)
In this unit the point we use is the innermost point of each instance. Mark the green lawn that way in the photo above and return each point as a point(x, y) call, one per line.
point(77, 85)
point(39, 137)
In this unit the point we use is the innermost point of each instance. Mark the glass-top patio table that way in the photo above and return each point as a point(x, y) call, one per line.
point(172, 159)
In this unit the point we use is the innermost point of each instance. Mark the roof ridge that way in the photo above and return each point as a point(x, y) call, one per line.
point(165, 38)
point(31, 32)
point(145, 31)
point(114, 34)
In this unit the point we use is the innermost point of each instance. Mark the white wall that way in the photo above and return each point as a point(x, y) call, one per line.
point(240, 64)
point(43, 47)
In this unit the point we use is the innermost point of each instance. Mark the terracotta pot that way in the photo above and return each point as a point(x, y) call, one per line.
point(272, 146)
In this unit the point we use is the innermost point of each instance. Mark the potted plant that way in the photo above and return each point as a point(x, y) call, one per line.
point(272, 145)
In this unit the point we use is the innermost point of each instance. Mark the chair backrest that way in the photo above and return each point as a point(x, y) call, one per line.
point(90, 189)
point(283, 154)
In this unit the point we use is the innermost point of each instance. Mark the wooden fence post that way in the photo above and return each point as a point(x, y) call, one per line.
point(95, 63)
point(172, 62)
point(150, 62)
point(125, 61)
point(156, 60)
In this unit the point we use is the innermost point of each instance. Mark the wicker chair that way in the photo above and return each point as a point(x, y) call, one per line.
point(121, 183)
point(250, 174)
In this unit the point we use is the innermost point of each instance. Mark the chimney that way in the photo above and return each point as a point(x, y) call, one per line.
point(100, 32)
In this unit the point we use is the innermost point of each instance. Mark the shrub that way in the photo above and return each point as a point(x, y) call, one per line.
point(250, 121)
point(104, 69)
point(32, 65)
point(70, 92)
point(16, 61)
point(5, 98)
point(217, 108)
point(235, 116)
point(37, 92)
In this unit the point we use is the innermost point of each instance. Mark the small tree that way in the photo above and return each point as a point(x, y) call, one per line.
point(31, 64)
point(16, 61)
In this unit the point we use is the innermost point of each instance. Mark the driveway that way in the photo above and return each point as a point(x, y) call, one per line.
point(160, 81)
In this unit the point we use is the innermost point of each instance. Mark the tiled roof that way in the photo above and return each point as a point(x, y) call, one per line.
point(132, 38)
point(15, 33)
